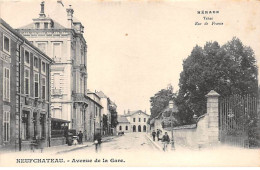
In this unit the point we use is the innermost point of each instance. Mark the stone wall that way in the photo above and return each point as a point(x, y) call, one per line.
point(205, 133)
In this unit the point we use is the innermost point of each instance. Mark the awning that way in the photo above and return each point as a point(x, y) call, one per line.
point(59, 120)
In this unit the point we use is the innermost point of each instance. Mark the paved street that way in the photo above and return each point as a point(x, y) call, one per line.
point(130, 142)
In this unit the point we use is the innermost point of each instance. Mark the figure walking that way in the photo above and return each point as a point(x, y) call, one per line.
point(158, 134)
point(166, 141)
point(153, 134)
point(97, 142)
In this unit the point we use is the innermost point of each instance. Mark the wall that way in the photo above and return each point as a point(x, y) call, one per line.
point(123, 125)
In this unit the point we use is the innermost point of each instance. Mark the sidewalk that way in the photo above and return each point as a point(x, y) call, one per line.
point(159, 144)
point(65, 148)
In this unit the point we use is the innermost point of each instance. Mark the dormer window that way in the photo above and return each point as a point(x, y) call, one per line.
point(37, 25)
point(45, 25)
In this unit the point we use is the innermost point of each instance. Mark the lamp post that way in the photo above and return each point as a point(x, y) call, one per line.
point(171, 104)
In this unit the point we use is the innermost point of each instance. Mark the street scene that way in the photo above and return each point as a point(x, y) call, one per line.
point(119, 80)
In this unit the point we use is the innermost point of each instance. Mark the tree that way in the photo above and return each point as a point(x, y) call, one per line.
point(161, 100)
point(113, 113)
point(229, 69)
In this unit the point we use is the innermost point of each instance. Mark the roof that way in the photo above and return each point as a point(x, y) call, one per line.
point(101, 94)
point(56, 25)
point(130, 113)
point(23, 38)
point(122, 119)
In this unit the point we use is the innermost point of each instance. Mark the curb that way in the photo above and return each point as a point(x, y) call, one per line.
point(154, 143)
point(81, 147)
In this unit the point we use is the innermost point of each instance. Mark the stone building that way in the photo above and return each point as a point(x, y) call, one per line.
point(93, 120)
point(60, 36)
point(108, 106)
point(137, 121)
point(24, 91)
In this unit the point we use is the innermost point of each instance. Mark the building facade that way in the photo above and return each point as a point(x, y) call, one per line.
point(94, 117)
point(63, 41)
point(24, 91)
point(137, 121)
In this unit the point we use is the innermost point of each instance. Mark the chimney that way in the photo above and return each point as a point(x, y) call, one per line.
point(124, 112)
point(128, 111)
point(70, 16)
point(42, 15)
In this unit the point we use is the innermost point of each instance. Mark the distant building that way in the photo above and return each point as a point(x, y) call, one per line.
point(93, 117)
point(123, 124)
point(137, 121)
point(109, 108)
point(24, 91)
point(61, 37)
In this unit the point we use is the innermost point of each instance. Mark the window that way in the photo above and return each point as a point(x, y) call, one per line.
point(139, 119)
point(6, 85)
point(56, 81)
point(96, 111)
point(45, 25)
point(6, 123)
point(43, 67)
point(56, 50)
point(6, 42)
point(37, 25)
point(25, 125)
point(144, 119)
point(42, 46)
point(26, 81)
point(36, 85)
point(36, 62)
point(133, 119)
point(27, 57)
point(126, 128)
point(43, 88)
point(120, 127)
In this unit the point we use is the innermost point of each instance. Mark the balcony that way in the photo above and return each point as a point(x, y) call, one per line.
point(56, 92)
point(79, 97)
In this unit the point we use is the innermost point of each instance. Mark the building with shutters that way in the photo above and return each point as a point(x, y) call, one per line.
point(60, 35)
point(24, 92)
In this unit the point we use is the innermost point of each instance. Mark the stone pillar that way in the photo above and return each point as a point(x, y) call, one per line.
point(213, 118)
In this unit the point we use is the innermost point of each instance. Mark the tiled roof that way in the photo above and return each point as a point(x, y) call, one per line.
point(134, 112)
point(122, 119)
point(56, 25)
point(101, 94)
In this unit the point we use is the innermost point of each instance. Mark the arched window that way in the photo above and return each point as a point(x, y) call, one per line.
point(126, 127)
point(144, 128)
point(120, 127)
point(139, 128)
point(134, 128)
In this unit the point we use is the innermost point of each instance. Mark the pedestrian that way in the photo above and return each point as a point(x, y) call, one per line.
point(153, 134)
point(166, 141)
point(80, 136)
point(97, 142)
point(158, 134)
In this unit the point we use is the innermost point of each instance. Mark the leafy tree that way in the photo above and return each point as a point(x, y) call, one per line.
point(229, 69)
point(160, 101)
point(113, 112)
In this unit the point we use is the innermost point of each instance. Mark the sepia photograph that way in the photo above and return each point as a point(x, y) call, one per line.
point(129, 83)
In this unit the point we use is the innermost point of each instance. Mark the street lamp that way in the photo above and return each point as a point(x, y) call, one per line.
point(171, 105)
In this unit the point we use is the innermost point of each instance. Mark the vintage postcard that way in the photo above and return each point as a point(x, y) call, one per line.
point(129, 83)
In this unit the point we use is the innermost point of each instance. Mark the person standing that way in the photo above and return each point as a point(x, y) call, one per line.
point(158, 134)
point(153, 134)
point(166, 141)
point(80, 135)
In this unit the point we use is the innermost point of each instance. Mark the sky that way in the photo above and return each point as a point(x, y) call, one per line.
point(136, 48)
